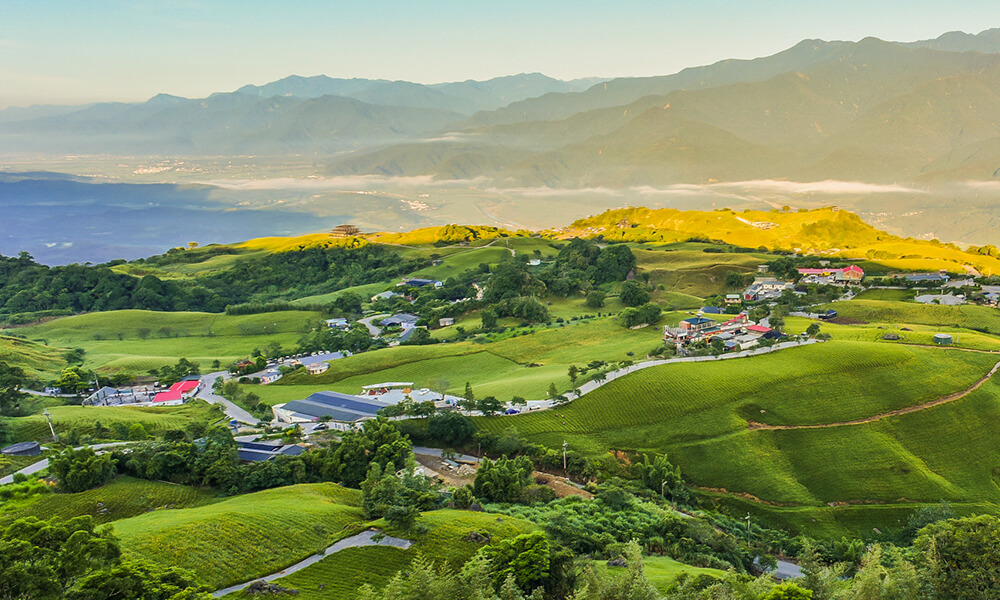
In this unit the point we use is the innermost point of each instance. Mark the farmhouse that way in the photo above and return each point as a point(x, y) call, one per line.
point(765, 289)
point(421, 283)
point(23, 449)
point(733, 299)
point(261, 451)
point(927, 278)
point(446, 321)
point(845, 275)
point(384, 296)
point(338, 323)
point(317, 368)
point(179, 392)
point(270, 376)
point(404, 320)
point(343, 410)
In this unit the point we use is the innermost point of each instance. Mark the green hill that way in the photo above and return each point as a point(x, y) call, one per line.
point(246, 536)
point(698, 414)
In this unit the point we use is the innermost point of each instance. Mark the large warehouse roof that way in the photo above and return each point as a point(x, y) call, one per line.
point(337, 406)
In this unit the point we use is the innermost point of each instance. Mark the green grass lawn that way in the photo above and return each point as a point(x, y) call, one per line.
point(124, 497)
point(696, 413)
point(341, 574)
point(499, 368)
point(912, 334)
point(661, 571)
point(247, 536)
point(978, 318)
point(37, 360)
point(136, 341)
point(82, 418)
point(886, 295)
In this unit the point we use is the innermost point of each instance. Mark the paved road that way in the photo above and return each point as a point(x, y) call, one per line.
point(593, 385)
point(372, 329)
point(232, 411)
point(365, 538)
point(44, 463)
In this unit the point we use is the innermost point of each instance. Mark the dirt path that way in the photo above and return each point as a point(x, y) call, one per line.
point(753, 425)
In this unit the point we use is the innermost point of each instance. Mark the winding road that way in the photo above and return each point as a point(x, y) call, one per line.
point(365, 538)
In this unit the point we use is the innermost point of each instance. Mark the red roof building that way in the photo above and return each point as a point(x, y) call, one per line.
point(758, 329)
point(168, 396)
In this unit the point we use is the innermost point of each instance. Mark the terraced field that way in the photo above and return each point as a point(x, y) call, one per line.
point(136, 340)
point(124, 497)
point(248, 536)
point(339, 576)
point(698, 414)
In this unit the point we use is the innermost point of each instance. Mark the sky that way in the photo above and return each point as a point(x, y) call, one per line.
point(71, 52)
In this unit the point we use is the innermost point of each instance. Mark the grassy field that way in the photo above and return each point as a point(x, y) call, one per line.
point(697, 414)
point(908, 333)
point(978, 318)
point(136, 341)
point(661, 571)
point(154, 419)
point(886, 295)
point(341, 574)
point(499, 368)
point(246, 536)
point(37, 360)
point(124, 497)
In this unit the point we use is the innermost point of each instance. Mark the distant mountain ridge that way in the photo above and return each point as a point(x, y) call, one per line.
point(868, 110)
point(465, 97)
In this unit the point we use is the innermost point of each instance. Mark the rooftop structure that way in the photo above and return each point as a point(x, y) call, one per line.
point(180, 391)
point(345, 230)
point(22, 449)
point(343, 409)
point(261, 451)
point(416, 282)
point(401, 319)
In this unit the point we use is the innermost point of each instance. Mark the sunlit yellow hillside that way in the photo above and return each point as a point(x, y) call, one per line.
point(451, 234)
point(822, 231)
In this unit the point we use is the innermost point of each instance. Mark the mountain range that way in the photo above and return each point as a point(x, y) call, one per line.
point(870, 110)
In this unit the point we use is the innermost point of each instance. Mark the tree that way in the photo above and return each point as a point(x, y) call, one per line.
point(788, 591)
point(633, 294)
point(573, 373)
point(553, 391)
point(489, 406)
point(660, 475)
point(43, 559)
point(524, 558)
point(378, 440)
point(595, 299)
point(812, 330)
point(12, 379)
point(80, 470)
point(489, 318)
point(958, 557)
point(503, 480)
point(614, 263)
point(450, 428)
point(469, 395)
point(140, 580)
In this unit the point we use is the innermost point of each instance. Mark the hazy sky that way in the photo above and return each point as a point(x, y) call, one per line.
point(71, 51)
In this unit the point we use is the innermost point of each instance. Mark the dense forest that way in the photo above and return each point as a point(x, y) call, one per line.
point(29, 287)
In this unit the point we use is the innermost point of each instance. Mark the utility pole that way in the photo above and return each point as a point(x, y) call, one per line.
point(747, 518)
point(48, 417)
point(662, 485)
point(564, 455)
